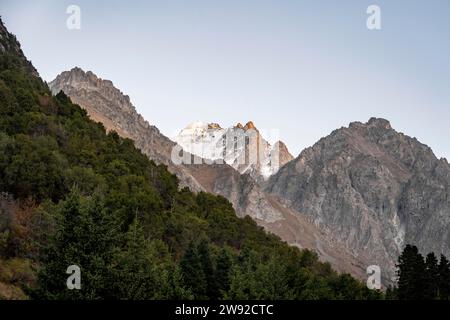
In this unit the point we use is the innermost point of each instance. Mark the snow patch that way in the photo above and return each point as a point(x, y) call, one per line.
point(399, 238)
point(243, 149)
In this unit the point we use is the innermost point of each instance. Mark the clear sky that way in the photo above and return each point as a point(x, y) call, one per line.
point(303, 67)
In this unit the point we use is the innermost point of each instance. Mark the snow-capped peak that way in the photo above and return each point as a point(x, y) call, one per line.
point(242, 147)
point(194, 128)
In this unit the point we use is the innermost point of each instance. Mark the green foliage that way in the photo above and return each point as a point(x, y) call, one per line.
point(86, 238)
point(420, 279)
point(14, 274)
point(31, 167)
point(144, 270)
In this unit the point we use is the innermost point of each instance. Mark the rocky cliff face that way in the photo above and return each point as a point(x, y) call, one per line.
point(372, 189)
point(242, 147)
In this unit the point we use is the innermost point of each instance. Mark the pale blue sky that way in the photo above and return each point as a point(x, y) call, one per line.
point(303, 67)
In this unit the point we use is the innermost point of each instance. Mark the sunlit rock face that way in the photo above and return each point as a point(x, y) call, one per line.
point(242, 147)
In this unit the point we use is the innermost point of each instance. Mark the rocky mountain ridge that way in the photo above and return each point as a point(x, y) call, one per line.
point(372, 189)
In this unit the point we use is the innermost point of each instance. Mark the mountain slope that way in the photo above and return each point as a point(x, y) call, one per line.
point(92, 199)
point(372, 189)
point(106, 104)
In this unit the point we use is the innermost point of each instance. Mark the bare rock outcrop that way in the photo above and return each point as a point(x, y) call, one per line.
point(373, 189)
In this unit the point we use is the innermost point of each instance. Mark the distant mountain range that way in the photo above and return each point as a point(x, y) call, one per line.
point(242, 147)
point(356, 197)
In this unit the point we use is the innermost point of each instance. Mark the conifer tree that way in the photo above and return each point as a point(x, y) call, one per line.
point(444, 278)
point(204, 254)
point(135, 276)
point(223, 268)
point(431, 277)
point(193, 275)
point(411, 274)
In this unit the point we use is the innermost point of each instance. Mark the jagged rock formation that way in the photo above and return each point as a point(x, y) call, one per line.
point(242, 147)
point(373, 189)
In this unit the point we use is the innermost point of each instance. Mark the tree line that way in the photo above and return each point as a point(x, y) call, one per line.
point(421, 278)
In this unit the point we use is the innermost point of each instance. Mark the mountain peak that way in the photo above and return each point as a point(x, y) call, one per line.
point(280, 144)
point(372, 123)
point(249, 125)
point(76, 69)
point(103, 101)
point(76, 72)
point(78, 75)
point(211, 141)
point(379, 122)
point(87, 80)
point(214, 126)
